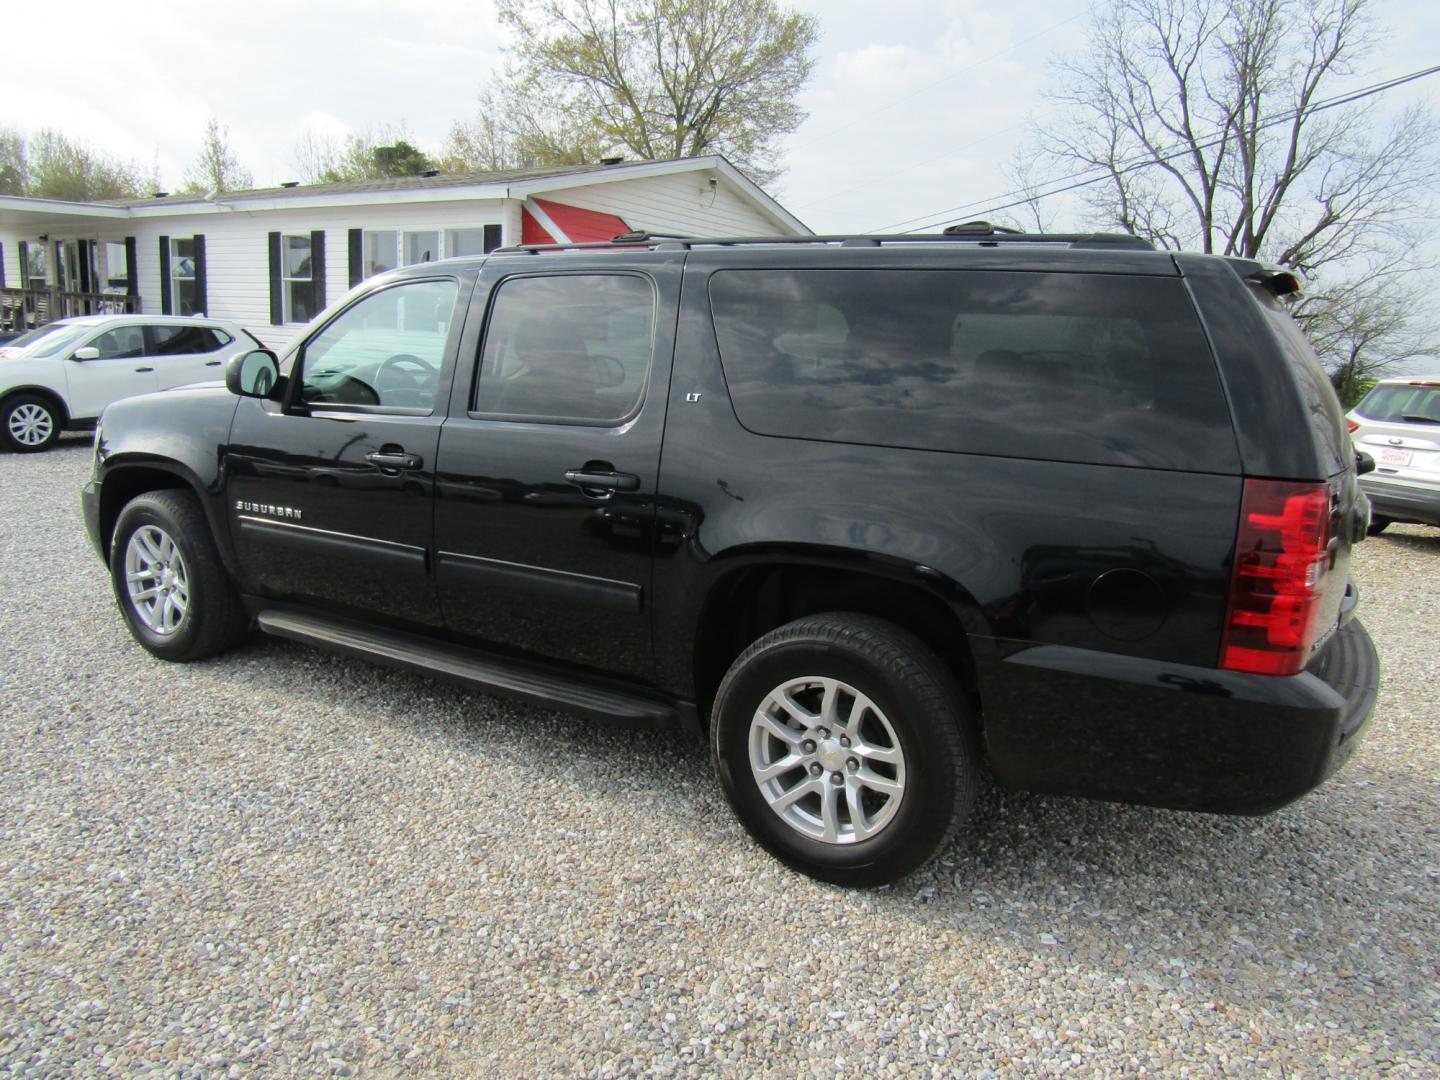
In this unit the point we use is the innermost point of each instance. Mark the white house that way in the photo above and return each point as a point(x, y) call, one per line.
point(272, 258)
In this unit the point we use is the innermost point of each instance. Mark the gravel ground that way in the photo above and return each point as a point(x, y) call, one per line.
point(283, 863)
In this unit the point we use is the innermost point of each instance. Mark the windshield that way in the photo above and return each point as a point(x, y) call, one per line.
point(48, 340)
point(1408, 403)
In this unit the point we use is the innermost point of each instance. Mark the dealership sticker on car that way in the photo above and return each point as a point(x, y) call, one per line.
point(1390, 456)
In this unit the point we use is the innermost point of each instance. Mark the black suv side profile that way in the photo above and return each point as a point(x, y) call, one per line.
point(872, 513)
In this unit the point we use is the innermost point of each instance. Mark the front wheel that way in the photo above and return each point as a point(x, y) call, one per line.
point(168, 579)
point(845, 747)
point(29, 423)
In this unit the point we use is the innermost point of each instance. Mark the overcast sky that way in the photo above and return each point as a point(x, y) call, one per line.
point(913, 108)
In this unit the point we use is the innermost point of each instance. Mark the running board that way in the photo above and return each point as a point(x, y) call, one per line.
point(522, 680)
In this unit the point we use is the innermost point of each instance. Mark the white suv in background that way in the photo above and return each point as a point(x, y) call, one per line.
point(1398, 424)
point(63, 374)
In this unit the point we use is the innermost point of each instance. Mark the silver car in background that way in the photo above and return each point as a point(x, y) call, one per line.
point(1398, 424)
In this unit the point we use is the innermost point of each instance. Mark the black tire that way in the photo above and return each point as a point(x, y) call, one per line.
point(214, 619)
point(47, 413)
point(1378, 525)
point(923, 704)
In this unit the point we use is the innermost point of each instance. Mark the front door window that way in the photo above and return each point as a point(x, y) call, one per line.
point(386, 350)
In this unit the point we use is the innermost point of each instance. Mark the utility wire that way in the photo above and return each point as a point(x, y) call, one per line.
point(1085, 178)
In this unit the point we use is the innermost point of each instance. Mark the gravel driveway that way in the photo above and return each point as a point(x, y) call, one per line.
point(283, 863)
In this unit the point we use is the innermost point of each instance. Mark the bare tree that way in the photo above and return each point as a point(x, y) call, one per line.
point(385, 151)
point(1221, 125)
point(1369, 324)
point(659, 78)
point(216, 168)
point(316, 155)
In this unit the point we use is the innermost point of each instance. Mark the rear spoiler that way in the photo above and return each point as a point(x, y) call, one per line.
point(1276, 280)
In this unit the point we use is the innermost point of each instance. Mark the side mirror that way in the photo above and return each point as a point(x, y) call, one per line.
point(253, 374)
point(88, 352)
point(1364, 463)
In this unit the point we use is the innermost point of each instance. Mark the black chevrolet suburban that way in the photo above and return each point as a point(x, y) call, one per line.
point(872, 513)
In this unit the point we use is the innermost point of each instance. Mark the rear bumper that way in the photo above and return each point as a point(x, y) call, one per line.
point(1077, 722)
point(1403, 502)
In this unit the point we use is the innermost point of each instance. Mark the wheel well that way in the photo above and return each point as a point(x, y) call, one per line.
point(751, 602)
point(56, 402)
point(122, 486)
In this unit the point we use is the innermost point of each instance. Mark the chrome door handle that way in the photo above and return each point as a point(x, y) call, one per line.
point(608, 481)
point(394, 460)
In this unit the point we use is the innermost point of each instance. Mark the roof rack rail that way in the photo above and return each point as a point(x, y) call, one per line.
point(976, 232)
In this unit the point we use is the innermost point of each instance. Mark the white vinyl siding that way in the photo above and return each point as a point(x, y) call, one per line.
point(237, 263)
point(680, 203)
point(237, 256)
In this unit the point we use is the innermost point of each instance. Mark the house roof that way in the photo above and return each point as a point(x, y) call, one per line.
point(17, 211)
point(352, 187)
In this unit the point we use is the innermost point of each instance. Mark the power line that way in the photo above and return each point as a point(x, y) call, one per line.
point(1087, 177)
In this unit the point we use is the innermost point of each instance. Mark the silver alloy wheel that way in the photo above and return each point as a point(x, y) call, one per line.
point(31, 424)
point(157, 579)
point(827, 760)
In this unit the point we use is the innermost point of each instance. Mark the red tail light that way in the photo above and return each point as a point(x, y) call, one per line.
point(1351, 426)
point(1279, 578)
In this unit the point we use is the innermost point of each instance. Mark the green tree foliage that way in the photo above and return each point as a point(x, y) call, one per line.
point(650, 79)
point(47, 165)
point(216, 168)
point(399, 159)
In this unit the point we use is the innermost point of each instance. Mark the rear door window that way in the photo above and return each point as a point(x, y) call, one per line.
point(185, 340)
point(1104, 369)
point(571, 348)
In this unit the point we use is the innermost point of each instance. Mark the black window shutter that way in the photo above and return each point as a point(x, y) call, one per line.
point(317, 268)
point(24, 264)
point(84, 257)
point(277, 306)
point(2, 266)
point(492, 238)
point(165, 304)
point(202, 305)
point(357, 257)
point(132, 269)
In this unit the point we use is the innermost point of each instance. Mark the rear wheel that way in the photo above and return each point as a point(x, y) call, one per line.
point(1378, 525)
point(168, 579)
point(845, 747)
point(29, 423)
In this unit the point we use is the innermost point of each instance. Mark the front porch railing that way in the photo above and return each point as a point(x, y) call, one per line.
point(25, 309)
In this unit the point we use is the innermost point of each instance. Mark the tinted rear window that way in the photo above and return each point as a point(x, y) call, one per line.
point(1104, 369)
point(1406, 404)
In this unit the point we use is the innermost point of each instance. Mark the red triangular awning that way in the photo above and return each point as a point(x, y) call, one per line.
point(577, 226)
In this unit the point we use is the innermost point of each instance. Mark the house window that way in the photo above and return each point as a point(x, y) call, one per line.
point(297, 285)
point(421, 247)
point(464, 242)
point(380, 252)
point(117, 268)
point(184, 286)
